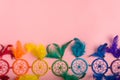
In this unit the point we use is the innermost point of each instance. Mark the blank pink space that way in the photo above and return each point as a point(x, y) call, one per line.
point(48, 21)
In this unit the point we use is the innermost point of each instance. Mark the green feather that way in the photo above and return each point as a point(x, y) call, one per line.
point(82, 76)
point(52, 53)
point(57, 52)
point(66, 76)
point(64, 47)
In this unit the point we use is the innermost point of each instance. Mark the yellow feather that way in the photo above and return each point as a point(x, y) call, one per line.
point(38, 51)
point(28, 77)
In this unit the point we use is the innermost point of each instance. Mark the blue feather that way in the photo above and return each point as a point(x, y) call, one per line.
point(78, 48)
point(101, 50)
point(111, 77)
point(98, 76)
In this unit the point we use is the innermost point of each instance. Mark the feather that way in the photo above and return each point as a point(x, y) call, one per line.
point(82, 75)
point(113, 48)
point(4, 77)
point(29, 47)
point(101, 50)
point(111, 77)
point(38, 51)
point(78, 48)
point(63, 48)
point(9, 51)
point(58, 51)
point(6, 50)
point(28, 77)
point(53, 53)
point(117, 54)
point(67, 76)
point(98, 76)
point(18, 51)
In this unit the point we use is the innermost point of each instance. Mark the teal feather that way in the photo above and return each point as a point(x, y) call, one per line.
point(78, 48)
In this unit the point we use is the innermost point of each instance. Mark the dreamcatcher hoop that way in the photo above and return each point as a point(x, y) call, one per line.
point(79, 66)
point(59, 67)
point(99, 66)
point(20, 67)
point(115, 67)
point(40, 67)
point(4, 67)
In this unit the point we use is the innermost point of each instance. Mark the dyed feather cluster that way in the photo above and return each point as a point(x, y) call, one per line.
point(28, 77)
point(101, 50)
point(6, 50)
point(58, 51)
point(78, 48)
point(113, 49)
point(4, 78)
point(38, 51)
point(67, 76)
point(19, 50)
point(108, 77)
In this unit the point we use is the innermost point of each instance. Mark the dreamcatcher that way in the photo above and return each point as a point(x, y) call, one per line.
point(79, 66)
point(115, 51)
point(4, 65)
point(39, 66)
point(99, 65)
point(59, 66)
point(20, 66)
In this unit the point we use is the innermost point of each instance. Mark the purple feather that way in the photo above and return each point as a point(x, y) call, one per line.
point(113, 48)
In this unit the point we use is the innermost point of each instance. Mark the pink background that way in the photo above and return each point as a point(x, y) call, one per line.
point(48, 21)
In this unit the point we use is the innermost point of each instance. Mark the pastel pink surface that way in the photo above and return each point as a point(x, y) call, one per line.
point(48, 21)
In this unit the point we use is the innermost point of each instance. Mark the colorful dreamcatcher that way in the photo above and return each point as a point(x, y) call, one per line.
point(99, 66)
point(59, 66)
point(115, 51)
point(20, 66)
point(4, 65)
point(39, 66)
point(79, 66)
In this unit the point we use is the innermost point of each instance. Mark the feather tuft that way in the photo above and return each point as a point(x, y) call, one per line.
point(113, 48)
point(18, 51)
point(67, 76)
point(37, 50)
point(4, 78)
point(58, 51)
point(27, 77)
point(101, 50)
point(78, 48)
